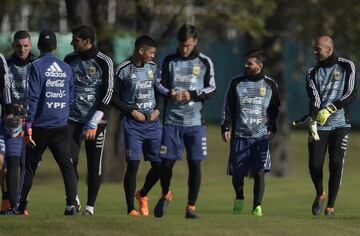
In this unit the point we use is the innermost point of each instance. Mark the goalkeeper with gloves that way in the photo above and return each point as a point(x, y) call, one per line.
point(331, 88)
point(93, 79)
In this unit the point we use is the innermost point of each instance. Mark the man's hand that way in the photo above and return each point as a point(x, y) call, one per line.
point(138, 115)
point(154, 115)
point(89, 130)
point(180, 96)
point(11, 122)
point(226, 136)
point(323, 115)
point(185, 96)
point(28, 137)
point(173, 94)
point(313, 130)
point(270, 135)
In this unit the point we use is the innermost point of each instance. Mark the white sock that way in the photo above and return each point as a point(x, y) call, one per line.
point(77, 200)
point(90, 209)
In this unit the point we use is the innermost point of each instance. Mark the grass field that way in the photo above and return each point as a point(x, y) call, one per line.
point(286, 205)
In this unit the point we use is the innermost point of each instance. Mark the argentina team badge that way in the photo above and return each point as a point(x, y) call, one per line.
point(163, 149)
point(196, 70)
point(150, 74)
point(337, 75)
point(92, 70)
point(262, 91)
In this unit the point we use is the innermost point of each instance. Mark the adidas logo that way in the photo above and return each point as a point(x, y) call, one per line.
point(55, 71)
point(133, 76)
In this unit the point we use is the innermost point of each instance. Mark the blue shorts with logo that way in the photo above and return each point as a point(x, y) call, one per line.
point(246, 153)
point(142, 137)
point(175, 137)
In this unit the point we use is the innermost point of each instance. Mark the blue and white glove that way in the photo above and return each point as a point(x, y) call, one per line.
point(89, 130)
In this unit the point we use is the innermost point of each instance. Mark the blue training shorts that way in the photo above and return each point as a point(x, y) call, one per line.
point(13, 146)
point(142, 138)
point(246, 153)
point(175, 137)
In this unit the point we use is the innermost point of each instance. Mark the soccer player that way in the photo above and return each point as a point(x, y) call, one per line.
point(331, 88)
point(187, 81)
point(137, 99)
point(5, 102)
point(251, 107)
point(50, 95)
point(19, 63)
point(93, 78)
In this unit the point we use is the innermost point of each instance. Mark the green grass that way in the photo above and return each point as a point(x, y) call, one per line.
point(286, 205)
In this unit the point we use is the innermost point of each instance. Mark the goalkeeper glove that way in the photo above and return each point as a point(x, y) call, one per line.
point(324, 114)
point(313, 130)
point(89, 130)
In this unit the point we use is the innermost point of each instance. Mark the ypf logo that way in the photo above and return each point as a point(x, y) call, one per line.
point(55, 71)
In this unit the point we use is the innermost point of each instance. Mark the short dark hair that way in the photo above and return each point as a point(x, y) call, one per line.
point(85, 32)
point(145, 40)
point(256, 53)
point(187, 31)
point(21, 34)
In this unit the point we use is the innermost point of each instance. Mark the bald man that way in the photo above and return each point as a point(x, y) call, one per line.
point(331, 88)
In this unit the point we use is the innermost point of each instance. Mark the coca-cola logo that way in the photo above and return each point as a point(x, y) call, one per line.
point(55, 83)
point(253, 100)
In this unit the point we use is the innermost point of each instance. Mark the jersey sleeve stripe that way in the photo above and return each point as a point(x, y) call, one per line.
point(351, 79)
point(107, 98)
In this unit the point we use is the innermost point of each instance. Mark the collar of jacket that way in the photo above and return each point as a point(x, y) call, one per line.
point(91, 52)
point(329, 62)
point(47, 54)
point(256, 77)
point(195, 53)
point(20, 62)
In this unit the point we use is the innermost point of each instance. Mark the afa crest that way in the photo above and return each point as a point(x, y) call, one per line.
point(92, 70)
point(337, 75)
point(262, 91)
point(196, 70)
point(163, 150)
point(150, 74)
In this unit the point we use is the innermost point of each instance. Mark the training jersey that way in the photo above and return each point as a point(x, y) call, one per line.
point(93, 78)
point(332, 81)
point(135, 88)
point(195, 74)
point(5, 93)
point(251, 106)
point(51, 92)
point(18, 80)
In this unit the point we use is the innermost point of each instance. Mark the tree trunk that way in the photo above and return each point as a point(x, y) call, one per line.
point(273, 47)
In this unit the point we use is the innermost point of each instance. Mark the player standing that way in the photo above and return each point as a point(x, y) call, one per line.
point(93, 78)
point(137, 99)
point(50, 96)
point(5, 102)
point(250, 110)
point(19, 63)
point(187, 81)
point(331, 88)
